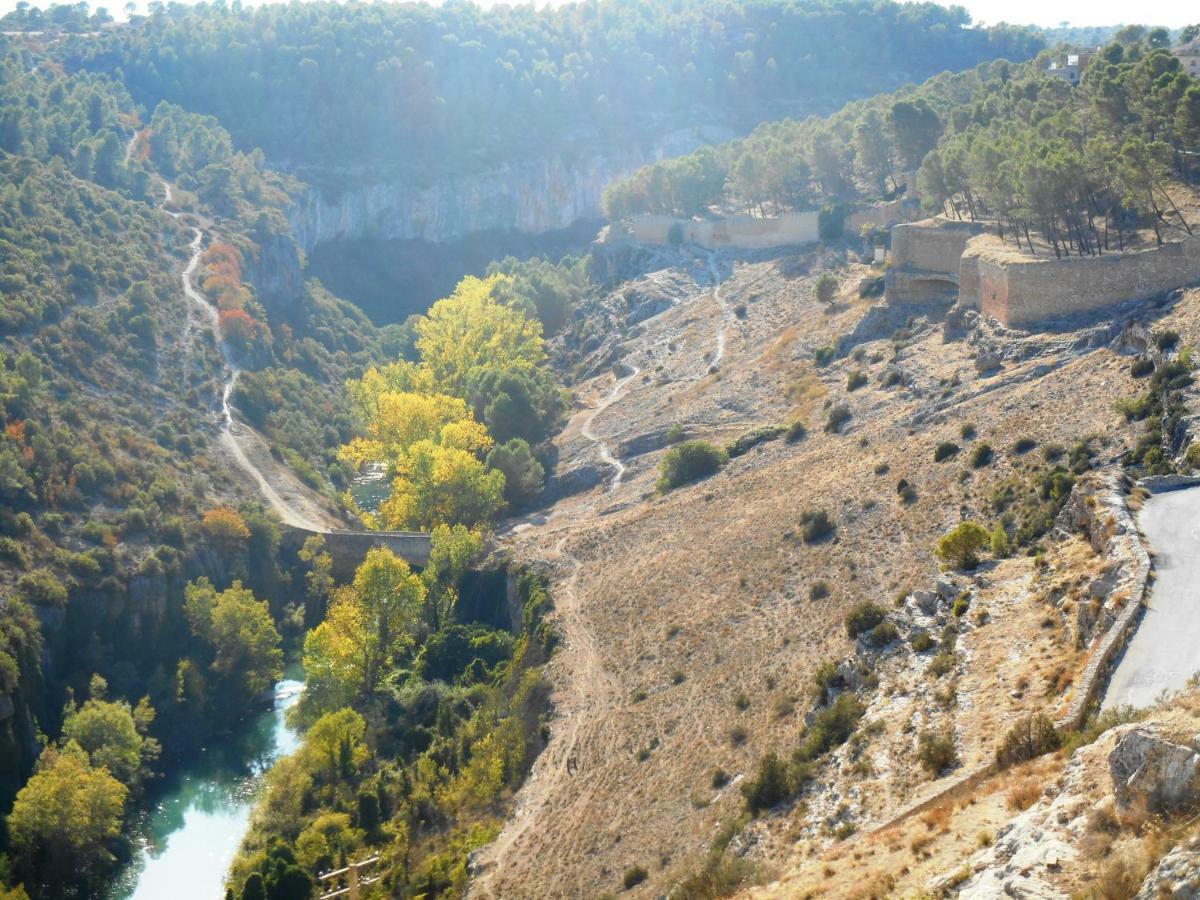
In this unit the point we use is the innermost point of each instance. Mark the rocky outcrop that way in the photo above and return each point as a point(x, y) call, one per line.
point(1152, 774)
point(534, 196)
point(1097, 508)
point(273, 267)
point(1176, 876)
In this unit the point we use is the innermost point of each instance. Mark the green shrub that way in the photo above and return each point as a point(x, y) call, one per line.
point(815, 525)
point(771, 785)
point(831, 727)
point(942, 663)
point(982, 455)
point(936, 751)
point(719, 778)
point(819, 590)
point(967, 430)
point(864, 616)
point(826, 287)
point(635, 875)
point(961, 604)
point(1134, 409)
point(999, 541)
point(906, 492)
point(921, 641)
point(1192, 457)
point(688, 462)
point(856, 379)
point(871, 287)
point(826, 677)
point(752, 439)
point(944, 451)
point(1165, 340)
point(823, 356)
point(795, 431)
point(883, 633)
point(42, 588)
point(1141, 367)
point(838, 416)
point(1029, 738)
point(1024, 445)
point(959, 547)
point(676, 433)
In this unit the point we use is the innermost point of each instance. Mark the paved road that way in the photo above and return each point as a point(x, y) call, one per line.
point(1165, 651)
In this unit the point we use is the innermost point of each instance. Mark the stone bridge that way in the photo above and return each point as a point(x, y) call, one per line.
point(349, 548)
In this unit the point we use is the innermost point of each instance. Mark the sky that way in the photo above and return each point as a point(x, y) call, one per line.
point(1172, 13)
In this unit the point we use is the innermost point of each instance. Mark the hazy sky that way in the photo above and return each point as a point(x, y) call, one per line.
point(1172, 13)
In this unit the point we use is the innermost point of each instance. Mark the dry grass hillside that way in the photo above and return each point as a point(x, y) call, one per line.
point(694, 622)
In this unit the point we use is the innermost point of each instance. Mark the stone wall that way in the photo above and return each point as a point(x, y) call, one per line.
point(925, 260)
point(1017, 289)
point(932, 245)
point(883, 215)
point(349, 548)
point(743, 232)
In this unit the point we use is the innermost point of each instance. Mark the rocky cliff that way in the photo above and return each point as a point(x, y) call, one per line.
point(531, 196)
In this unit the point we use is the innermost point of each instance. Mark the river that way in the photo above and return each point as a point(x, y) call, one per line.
point(187, 841)
point(1164, 652)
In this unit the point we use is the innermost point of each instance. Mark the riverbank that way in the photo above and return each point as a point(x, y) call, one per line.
point(187, 841)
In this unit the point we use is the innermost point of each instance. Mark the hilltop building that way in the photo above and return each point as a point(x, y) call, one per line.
point(1189, 56)
point(1070, 69)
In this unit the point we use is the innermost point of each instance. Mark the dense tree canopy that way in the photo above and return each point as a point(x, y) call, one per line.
point(459, 87)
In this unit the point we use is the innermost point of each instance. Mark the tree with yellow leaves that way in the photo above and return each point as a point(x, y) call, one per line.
point(471, 330)
point(371, 622)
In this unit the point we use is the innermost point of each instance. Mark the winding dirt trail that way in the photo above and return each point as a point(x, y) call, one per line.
point(580, 739)
point(299, 509)
point(603, 450)
point(726, 314)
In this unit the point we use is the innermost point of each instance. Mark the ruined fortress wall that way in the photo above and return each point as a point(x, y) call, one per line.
point(932, 245)
point(1018, 289)
point(882, 215)
point(743, 232)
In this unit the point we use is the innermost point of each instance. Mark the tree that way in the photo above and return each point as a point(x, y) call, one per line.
point(959, 547)
point(371, 622)
point(523, 474)
point(112, 736)
point(470, 330)
point(437, 485)
point(915, 128)
point(826, 287)
point(688, 462)
point(334, 747)
point(64, 819)
point(453, 550)
point(240, 633)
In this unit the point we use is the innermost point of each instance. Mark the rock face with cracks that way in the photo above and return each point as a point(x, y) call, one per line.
point(1151, 772)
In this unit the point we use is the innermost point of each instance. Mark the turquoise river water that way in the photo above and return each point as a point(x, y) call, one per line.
point(187, 841)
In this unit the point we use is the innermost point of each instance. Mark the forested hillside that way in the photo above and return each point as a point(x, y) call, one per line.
point(455, 88)
point(1004, 141)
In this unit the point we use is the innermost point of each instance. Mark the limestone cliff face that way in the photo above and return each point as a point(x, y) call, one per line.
point(533, 196)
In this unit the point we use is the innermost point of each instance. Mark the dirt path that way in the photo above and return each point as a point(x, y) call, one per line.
point(283, 491)
point(602, 448)
point(581, 739)
point(726, 314)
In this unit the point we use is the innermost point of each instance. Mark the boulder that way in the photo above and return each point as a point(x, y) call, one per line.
point(987, 361)
point(1152, 772)
point(1177, 875)
point(574, 480)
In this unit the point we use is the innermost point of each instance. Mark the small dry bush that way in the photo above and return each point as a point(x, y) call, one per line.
point(1023, 794)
